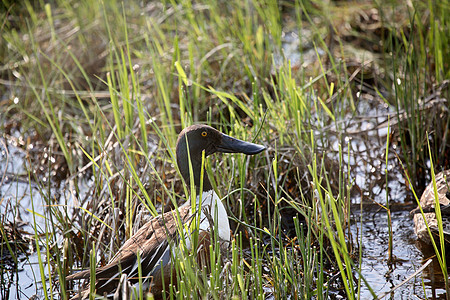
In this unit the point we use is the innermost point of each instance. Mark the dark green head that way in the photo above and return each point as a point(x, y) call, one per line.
point(205, 138)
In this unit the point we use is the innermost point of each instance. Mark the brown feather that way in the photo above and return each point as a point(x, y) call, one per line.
point(152, 241)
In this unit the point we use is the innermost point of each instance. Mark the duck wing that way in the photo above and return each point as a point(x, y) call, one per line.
point(152, 242)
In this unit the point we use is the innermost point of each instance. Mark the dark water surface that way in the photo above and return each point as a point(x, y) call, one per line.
point(383, 276)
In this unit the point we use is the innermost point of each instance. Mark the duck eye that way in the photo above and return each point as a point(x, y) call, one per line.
point(204, 133)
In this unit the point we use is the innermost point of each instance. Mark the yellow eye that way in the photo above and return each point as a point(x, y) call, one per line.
point(204, 133)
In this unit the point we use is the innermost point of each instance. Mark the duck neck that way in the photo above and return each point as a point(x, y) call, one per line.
point(197, 170)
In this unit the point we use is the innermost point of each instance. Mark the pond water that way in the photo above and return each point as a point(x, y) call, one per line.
point(383, 276)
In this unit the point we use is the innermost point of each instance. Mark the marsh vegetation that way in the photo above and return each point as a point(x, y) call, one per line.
point(349, 97)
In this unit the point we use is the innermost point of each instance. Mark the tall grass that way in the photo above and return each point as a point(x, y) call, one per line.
point(439, 244)
point(115, 83)
point(414, 75)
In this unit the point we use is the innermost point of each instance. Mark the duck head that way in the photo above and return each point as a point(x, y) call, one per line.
point(201, 138)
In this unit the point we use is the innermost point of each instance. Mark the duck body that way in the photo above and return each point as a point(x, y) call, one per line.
point(212, 206)
point(155, 240)
point(152, 242)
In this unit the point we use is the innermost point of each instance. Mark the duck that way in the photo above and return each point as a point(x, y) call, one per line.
point(154, 242)
point(427, 203)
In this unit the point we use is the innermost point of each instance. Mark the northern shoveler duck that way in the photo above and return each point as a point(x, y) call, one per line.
point(154, 240)
point(427, 202)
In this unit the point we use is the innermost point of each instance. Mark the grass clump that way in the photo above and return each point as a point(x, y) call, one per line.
point(100, 90)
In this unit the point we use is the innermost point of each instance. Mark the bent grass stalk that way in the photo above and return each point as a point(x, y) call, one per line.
point(390, 244)
point(437, 207)
point(439, 251)
point(92, 267)
point(37, 241)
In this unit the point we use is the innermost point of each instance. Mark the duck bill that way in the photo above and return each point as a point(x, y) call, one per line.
point(232, 145)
